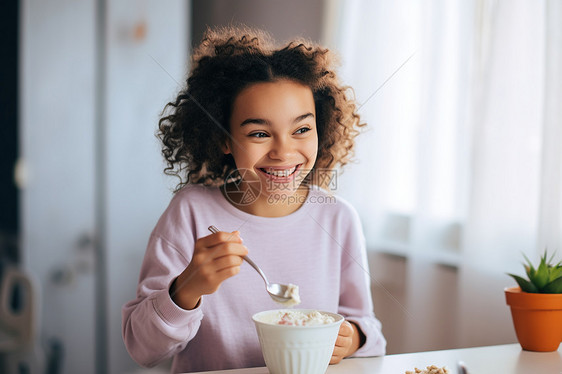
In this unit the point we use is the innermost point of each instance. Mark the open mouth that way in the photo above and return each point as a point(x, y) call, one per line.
point(278, 173)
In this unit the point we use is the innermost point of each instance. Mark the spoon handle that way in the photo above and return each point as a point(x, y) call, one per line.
point(253, 264)
point(214, 230)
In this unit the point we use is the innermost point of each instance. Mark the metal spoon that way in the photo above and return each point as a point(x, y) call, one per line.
point(461, 368)
point(276, 291)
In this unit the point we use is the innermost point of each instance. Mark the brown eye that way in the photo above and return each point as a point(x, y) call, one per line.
point(259, 134)
point(302, 130)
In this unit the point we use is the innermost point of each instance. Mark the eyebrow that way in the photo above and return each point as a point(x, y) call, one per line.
point(261, 121)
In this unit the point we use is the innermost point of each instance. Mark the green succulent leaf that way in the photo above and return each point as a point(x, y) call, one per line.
point(555, 273)
point(542, 275)
point(525, 285)
point(553, 287)
point(545, 278)
point(551, 257)
point(529, 268)
point(527, 259)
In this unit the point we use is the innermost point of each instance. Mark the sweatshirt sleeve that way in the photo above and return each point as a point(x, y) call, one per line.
point(154, 328)
point(356, 303)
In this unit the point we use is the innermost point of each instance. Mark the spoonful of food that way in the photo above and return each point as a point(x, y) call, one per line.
point(287, 295)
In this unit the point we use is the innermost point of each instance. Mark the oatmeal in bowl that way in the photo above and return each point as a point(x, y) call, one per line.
point(297, 341)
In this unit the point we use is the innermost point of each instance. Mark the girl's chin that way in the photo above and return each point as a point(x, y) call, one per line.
point(285, 192)
point(288, 189)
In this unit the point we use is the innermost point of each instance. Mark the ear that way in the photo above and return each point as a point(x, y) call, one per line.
point(225, 147)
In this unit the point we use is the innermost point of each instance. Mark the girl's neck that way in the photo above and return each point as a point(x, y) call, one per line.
point(273, 205)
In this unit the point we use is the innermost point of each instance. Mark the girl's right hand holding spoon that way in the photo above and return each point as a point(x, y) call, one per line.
point(216, 257)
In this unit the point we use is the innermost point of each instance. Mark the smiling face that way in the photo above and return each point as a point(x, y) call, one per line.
point(273, 135)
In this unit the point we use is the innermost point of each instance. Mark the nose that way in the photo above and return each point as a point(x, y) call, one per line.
point(281, 149)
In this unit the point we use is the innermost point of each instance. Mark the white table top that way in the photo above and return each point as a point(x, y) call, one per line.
point(497, 359)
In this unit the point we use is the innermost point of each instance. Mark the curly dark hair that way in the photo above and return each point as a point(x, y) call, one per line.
point(196, 124)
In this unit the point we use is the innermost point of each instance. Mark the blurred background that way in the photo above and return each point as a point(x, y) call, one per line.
point(458, 173)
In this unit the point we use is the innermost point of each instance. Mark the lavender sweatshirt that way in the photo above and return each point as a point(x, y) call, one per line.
point(320, 248)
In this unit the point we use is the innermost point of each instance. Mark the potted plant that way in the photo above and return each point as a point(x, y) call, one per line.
point(536, 305)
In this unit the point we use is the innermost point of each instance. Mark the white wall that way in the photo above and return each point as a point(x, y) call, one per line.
point(57, 128)
point(142, 76)
point(64, 200)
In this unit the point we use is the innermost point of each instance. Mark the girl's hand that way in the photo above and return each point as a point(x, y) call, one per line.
point(216, 258)
point(348, 341)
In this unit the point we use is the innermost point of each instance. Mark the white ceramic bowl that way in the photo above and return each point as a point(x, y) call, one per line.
point(291, 349)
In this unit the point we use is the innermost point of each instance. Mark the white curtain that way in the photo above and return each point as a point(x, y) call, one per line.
point(461, 163)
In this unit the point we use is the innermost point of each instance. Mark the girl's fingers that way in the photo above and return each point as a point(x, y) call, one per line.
point(203, 255)
point(346, 329)
point(226, 262)
point(227, 249)
point(343, 341)
point(220, 237)
point(228, 272)
point(337, 356)
point(345, 335)
point(209, 264)
point(217, 271)
point(216, 258)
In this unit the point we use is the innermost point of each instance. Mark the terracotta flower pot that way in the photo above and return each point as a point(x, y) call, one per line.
point(537, 318)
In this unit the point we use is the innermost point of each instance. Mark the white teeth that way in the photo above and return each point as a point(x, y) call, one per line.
point(280, 173)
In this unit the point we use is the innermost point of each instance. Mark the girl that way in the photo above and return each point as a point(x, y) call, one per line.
point(255, 135)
